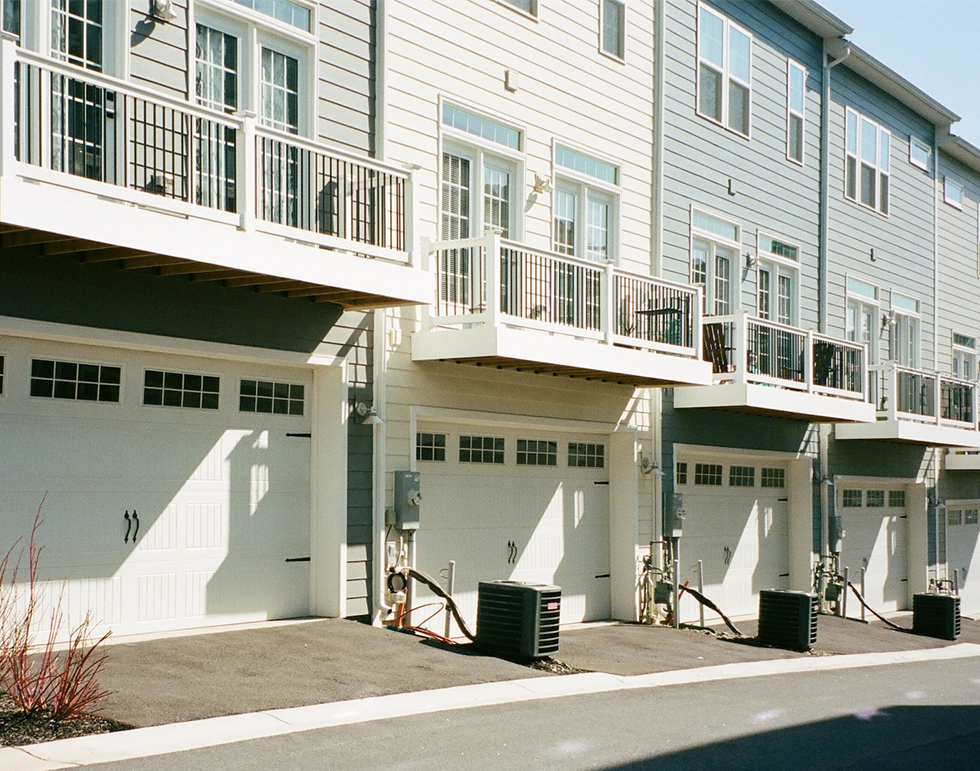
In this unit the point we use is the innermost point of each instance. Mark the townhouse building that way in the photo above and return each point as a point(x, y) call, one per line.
point(191, 228)
point(619, 279)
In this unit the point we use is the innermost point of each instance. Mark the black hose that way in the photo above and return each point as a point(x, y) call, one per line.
point(709, 604)
point(429, 581)
point(875, 612)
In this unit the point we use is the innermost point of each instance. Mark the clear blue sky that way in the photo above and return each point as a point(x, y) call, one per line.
point(934, 44)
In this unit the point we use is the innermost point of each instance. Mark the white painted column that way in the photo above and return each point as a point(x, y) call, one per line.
point(623, 524)
point(917, 538)
point(328, 527)
point(799, 490)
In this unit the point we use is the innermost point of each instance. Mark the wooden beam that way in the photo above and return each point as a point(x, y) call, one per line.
point(283, 285)
point(255, 280)
point(185, 268)
point(222, 275)
point(115, 253)
point(149, 261)
point(5, 228)
point(73, 245)
point(30, 237)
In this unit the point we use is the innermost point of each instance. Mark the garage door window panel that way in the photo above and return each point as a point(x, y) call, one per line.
point(875, 499)
point(74, 380)
point(430, 446)
point(180, 389)
point(583, 455)
point(1, 375)
point(536, 452)
point(896, 499)
point(481, 449)
point(852, 499)
point(773, 477)
point(681, 472)
point(271, 397)
point(741, 476)
point(708, 474)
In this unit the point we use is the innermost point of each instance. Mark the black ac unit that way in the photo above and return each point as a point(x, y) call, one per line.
point(788, 619)
point(517, 620)
point(936, 615)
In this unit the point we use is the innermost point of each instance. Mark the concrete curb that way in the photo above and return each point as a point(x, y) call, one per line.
point(181, 737)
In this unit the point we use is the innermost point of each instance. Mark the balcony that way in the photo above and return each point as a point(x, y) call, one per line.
point(919, 407)
point(504, 305)
point(767, 368)
point(109, 171)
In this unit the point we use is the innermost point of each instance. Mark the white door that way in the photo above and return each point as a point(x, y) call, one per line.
point(874, 523)
point(173, 496)
point(736, 523)
point(963, 554)
point(525, 506)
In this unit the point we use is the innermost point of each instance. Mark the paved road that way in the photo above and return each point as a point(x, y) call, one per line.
point(905, 716)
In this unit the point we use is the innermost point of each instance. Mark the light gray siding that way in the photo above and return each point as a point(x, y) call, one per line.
point(346, 72)
point(158, 51)
point(902, 241)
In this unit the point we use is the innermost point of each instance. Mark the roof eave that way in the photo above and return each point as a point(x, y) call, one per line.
point(814, 17)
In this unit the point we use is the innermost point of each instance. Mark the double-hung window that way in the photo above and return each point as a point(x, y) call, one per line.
point(861, 322)
point(585, 205)
point(795, 110)
point(867, 165)
point(778, 279)
point(612, 28)
point(724, 71)
point(964, 356)
point(920, 154)
point(714, 260)
point(905, 330)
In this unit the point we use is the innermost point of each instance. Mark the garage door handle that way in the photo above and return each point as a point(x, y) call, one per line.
point(136, 530)
point(129, 526)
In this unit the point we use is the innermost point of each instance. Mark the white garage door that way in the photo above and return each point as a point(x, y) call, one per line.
point(174, 497)
point(875, 524)
point(963, 554)
point(518, 505)
point(736, 523)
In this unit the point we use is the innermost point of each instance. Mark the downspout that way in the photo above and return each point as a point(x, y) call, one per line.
point(935, 254)
point(823, 279)
point(378, 608)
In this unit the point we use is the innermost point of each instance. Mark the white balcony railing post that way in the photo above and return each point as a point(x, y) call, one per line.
point(740, 331)
point(973, 406)
point(248, 172)
point(937, 395)
point(607, 284)
point(697, 321)
point(491, 272)
point(425, 261)
point(808, 361)
point(8, 50)
point(411, 207)
point(892, 394)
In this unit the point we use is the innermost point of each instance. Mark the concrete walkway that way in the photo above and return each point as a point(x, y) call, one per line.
point(206, 689)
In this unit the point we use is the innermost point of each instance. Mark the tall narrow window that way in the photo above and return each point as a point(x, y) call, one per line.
point(216, 78)
point(905, 330)
point(953, 193)
point(11, 16)
point(778, 279)
point(861, 322)
point(496, 198)
point(77, 32)
point(280, 91)
point(714, 255)
point(867, 164)
point(584, 205)
point(724, 71)
point(795, 111)
point(216, 86)
point(614, 28)
point(964, 356)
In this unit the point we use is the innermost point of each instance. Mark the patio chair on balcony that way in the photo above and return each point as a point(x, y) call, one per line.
point(823, 362)
point(715, 349)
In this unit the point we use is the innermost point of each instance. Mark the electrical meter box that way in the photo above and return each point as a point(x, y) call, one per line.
point(673, 515)
point(408, 499)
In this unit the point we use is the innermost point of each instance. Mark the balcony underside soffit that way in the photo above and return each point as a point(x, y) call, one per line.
point(45, 244)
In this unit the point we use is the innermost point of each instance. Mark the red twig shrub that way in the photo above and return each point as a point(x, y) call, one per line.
point(62, 680)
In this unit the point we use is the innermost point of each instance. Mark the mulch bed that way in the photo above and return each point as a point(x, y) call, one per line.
point(18, 728)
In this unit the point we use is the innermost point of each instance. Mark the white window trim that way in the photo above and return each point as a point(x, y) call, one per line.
point(778, 262)
point(534, 13)
point(790, 112)
point(725, 74)
point(582, 183)
point(963, 350)
point(948, 186)
point(254, 31)
point(622, 32)
point(915, 142)
point(735, 295)
point(477, 148)
point(875, 303)
point(858, 162)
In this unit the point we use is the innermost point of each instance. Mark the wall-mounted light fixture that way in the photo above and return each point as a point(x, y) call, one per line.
point(368, 415)
point(887, 320)
point(647, 466)
point(751, 260)
point(163, 10)
point(542, 184)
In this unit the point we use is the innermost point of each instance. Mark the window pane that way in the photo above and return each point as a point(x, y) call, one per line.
point(699, 263)
point(715, 226)
point(479, 126)
point(597, 247)
point(496, 199)
point(723, 265)
point(883, 195)
point(565, 204)
point(884, 151)
point(709, 93)
point(584, 164)
point(738, 108)
point(796, 89)
point(852, 133)
point(765, 278)
point(851, 189)
point(868, 185)
point(711, 32)
point(739, 55)
point(612, 28)
point(796, 137)
point(869, 142)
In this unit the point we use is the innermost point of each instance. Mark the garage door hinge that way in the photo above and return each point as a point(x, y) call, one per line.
point(783, 499)
point(603, 575)
point(903, 516)
point(905, 580)
point(601, 483)
point(297, 559)
point(301, 435)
